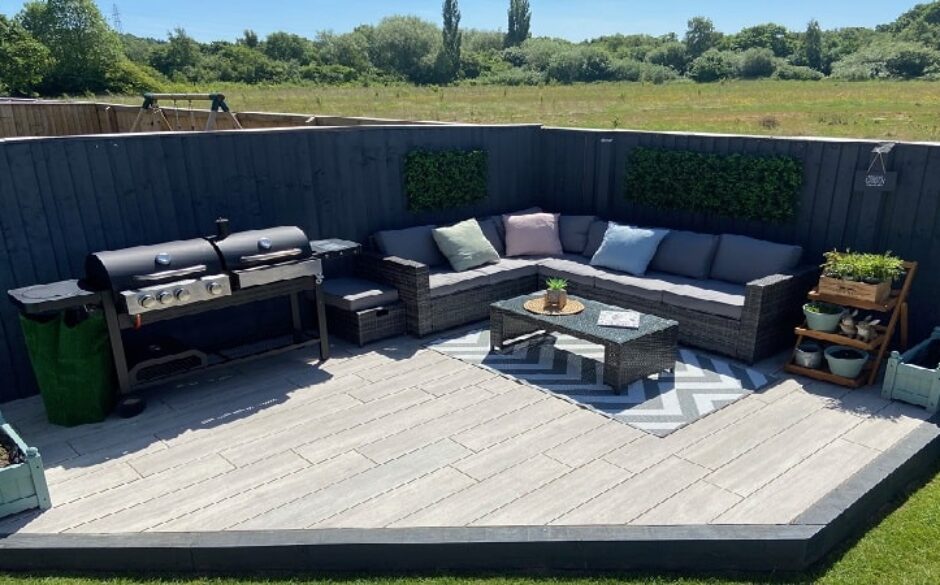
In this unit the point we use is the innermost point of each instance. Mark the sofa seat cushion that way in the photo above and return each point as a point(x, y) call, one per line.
point(650, 287)
point(509, 269)
point(571, 267)
point(357, 294)
point(714, 297)
point(444, 282)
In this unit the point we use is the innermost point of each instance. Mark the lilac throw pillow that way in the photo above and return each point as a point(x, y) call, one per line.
point(535, 234)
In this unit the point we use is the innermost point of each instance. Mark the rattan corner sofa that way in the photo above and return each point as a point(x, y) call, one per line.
point(745, 321)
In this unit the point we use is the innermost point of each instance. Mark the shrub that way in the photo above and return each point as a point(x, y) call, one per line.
point(713, 65)
point(658, 74)
point(797, 73)
point(911, 61)
point(627, 70)
point(756, 63)
point(581, 64)
point(327, 74)
point(669, 55)
point(444, 179)
point(763, 188)
point(513, 77)
point(129, 77)
point(883, 60)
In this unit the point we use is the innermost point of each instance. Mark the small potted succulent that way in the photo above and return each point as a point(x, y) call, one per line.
point(865, 277)
point(822, 316)
point(556, 293)
point(847, 362)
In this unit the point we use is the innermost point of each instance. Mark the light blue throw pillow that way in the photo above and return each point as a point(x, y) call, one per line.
point(627, 248)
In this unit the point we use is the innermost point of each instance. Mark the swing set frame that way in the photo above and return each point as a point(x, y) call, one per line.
point(151, 105)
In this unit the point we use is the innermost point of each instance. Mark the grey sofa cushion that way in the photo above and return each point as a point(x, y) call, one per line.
point(740, 259)
point(571, 267)
point(415, 244)
point(595, 238)
point(649, 287)
point(714, 297)
point(686, 254)
point(444, 282)
point(574, 232)
point(509, 269)
point(492, 233)
point(356, 294)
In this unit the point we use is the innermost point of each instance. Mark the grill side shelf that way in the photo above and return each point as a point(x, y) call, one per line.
point(52, 297)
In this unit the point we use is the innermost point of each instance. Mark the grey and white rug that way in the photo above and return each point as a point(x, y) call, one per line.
point(573, 369)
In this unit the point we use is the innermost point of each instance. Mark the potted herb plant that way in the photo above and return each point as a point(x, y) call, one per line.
point(556, 293)
point(864, 277)
point(822, 316)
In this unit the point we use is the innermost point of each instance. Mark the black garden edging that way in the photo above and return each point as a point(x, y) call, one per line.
point(791, 547)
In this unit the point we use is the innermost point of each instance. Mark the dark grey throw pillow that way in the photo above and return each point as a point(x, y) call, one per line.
point(488, 225)
point(741, 259)
point(415, 244)
point(686, 254)
point(595, 237)
point(574, 232)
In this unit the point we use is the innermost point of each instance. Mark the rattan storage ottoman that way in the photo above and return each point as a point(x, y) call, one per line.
point(362, 311)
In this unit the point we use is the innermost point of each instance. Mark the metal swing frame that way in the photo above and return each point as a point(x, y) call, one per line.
point(152, 105)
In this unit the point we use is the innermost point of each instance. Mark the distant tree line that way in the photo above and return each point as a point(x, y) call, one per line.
point(55, 47)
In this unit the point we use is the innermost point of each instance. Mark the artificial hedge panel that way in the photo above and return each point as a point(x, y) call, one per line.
point(442, 179)
point(764, 188)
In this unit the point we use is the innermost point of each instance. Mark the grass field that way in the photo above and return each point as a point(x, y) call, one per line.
point(901, 550)
point(880, 109)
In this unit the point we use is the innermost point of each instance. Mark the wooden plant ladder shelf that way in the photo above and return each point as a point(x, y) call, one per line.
point(896, 306)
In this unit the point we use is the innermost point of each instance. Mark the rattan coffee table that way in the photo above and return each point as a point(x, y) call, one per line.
point(629, 354)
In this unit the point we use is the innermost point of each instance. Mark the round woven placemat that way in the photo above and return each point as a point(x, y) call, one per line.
point(572, 307)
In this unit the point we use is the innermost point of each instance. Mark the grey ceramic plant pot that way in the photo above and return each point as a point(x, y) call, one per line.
point(828, 322)
point(848, 367)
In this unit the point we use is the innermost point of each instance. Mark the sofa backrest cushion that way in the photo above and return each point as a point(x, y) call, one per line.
point(416, 244)
point(686, 254)
point(595, 237)
point(493, 233)
point(465, 246)
point(628, 248)
point(574, 232)
point(535, 234)
point(742, 259)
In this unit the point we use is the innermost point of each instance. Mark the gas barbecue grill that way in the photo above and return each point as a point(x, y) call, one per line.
point(140, 286)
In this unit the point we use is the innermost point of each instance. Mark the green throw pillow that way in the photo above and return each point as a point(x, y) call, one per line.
point(465, 246)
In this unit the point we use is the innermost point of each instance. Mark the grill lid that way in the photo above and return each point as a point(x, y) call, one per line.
point(144, 266)
point(256, 248)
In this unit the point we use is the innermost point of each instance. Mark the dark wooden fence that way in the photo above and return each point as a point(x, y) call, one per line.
point(583, 172)
point(61, 198)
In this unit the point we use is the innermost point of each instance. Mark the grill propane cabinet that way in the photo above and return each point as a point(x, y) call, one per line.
point(140, 286)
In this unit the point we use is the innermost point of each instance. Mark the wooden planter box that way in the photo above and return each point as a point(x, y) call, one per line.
point(23, 485)
point(860, 291)
point(913, 383)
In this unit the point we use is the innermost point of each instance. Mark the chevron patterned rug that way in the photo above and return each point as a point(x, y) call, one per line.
point(573, 369)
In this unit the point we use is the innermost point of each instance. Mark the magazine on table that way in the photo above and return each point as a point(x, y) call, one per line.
point(623, 319)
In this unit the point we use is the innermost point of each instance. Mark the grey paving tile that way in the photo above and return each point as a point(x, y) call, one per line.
point(607, 437)
point(883, 430)
point(401, 501)
point(558, 497)
point(700, 503)
point(504, 427)
point(636, 495)
point(482, 498)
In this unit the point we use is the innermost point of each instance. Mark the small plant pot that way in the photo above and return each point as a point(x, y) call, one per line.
point(847, 362)
point(809, 355)
point(556, 299)
point(828, 322)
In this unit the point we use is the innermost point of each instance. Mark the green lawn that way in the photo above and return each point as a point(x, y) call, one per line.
point(903, 110)
point(903, 549)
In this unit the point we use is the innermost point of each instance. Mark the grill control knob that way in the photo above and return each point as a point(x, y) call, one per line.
point(165, 298)
point(214, 288)
point(183, 295)
point(147, 301)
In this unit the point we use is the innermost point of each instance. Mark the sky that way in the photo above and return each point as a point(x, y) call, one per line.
point(572, 19)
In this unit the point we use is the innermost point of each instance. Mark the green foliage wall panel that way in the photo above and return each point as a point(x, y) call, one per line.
point(764, 188)
point(436, 180)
